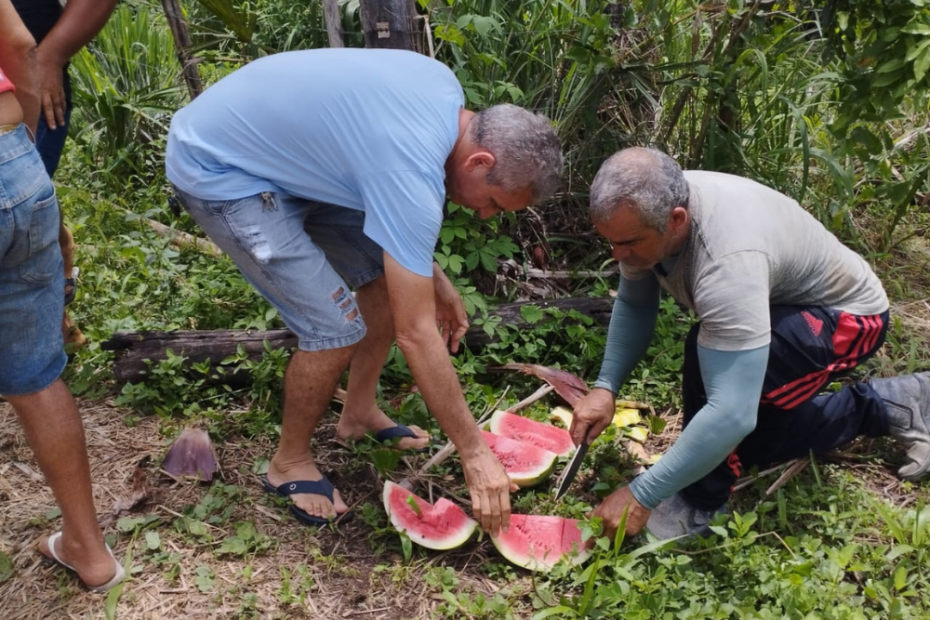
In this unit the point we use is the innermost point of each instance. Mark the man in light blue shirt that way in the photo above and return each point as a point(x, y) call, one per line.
point(323, 171)
point(784, 309)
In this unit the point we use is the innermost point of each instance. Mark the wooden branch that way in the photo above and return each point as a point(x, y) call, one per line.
point(793, 469)
point(181, 239)
point(134, 349)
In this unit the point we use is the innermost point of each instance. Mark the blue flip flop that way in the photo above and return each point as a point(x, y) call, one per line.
point(316, 487)
point(398, 431)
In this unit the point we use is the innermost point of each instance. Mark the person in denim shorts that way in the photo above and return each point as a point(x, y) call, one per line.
point(32, 352)
point(325, 171)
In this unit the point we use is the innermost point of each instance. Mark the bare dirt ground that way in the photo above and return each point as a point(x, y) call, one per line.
point(304, 573)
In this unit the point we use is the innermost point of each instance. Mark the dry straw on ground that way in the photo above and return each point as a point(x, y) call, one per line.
point(331, 574)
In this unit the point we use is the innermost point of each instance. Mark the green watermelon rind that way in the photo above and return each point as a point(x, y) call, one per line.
point(524, 559)
point(496, 426)
point(452, 541)
point(541, 473)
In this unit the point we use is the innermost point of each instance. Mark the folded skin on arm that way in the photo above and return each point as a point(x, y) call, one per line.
point(733, 383)
point(413, 304)
point(632, 323)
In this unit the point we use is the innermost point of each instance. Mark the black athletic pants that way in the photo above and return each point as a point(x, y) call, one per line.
point(810, 347)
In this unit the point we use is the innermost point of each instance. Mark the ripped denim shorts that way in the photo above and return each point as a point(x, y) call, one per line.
point(303, 256)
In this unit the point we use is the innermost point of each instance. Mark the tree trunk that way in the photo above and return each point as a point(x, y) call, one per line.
point(333, 23)
point(135, 349)
point(390, 24)
point(182, 43)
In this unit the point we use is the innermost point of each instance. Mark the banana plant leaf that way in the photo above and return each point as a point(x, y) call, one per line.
point(570, 387)
point(191, 455)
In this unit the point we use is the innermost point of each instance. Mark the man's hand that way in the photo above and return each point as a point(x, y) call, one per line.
point(450, 310)
point(612, 509)
point(592, 414)
point(490, 489)
point(51, 89)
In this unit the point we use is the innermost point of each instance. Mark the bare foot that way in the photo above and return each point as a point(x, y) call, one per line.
point(354, 425)
point(94, 566)
point(312, 504)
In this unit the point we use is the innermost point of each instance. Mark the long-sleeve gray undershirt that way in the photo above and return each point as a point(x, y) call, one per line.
point(732, 381)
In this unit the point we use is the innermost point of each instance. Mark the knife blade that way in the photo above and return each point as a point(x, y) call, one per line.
point(568, 474)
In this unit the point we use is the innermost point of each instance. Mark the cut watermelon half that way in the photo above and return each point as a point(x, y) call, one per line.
point(440, 526)
point(539, 542)
point(525, 464)
point(545, 436)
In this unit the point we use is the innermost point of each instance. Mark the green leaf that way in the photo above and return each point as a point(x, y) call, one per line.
point(891, 65)
point(406, 546)
point(917, 28)
point(560, 609)
point(109, 609)
point(897, 551)
point(152, 540)
point(900, 578)
point(246, 530)
point(204, 579)
point(6, 567)
point(531, 314)
point(922, 64)
point(483, 24)
point(234, 545)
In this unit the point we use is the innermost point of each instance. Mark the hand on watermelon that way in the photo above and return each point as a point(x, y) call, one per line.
point(611, 513)
point(592, 414)
point(490, 488)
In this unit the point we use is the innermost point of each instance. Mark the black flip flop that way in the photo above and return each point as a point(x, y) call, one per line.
point(397, 432)
point(315, 487)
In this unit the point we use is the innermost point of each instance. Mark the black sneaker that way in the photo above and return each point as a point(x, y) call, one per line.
point(675, 517)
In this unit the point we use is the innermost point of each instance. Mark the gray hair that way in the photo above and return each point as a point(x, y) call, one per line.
point(644, 179)
point(526, 150)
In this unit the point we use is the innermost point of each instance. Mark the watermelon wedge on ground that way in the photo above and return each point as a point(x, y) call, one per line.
point(526, 464)
point(440, 526)
point(539, 542)
point(545, 436)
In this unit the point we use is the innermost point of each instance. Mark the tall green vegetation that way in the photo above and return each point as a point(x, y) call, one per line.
point(126, 87)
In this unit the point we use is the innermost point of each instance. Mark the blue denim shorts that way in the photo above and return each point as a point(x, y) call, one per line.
point(304, 257)
point(32, 353)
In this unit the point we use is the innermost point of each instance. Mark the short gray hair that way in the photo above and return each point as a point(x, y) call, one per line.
point(645, 180)
point(526, 150)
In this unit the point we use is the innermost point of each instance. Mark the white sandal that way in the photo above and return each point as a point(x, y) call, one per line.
point(101, 589)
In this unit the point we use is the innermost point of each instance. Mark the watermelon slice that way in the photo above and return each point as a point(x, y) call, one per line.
point(526, 464)
point(440, 526)
point(538, 543)
point(545, 436)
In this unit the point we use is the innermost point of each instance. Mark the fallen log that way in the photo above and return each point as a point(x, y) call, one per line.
point(134, 350)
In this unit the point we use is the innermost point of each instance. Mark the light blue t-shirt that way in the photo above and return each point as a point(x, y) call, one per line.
point(365, 129)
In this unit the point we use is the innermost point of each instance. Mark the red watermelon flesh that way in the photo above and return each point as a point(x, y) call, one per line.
point(440, 526)
point(539, 542)
point(545, 436)
point(525, 464)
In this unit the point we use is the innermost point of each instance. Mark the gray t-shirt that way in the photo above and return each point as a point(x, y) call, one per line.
point(751, 247)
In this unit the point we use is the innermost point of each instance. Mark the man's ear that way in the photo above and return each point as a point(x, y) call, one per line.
point(481, 159)
point(678, 218)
